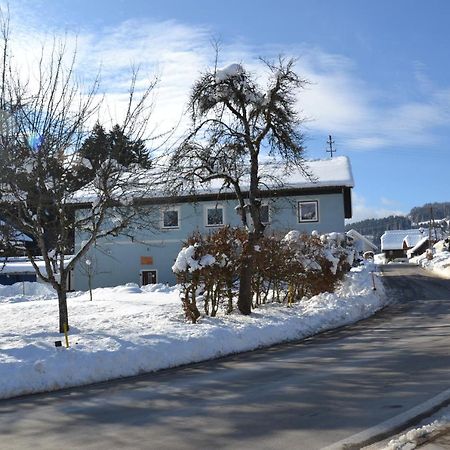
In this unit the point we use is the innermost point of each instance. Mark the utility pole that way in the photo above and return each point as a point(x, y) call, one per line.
point(429, 228)
point(433, 224)
point(330, 143)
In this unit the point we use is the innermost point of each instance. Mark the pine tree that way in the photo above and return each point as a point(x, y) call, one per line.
point(115, 144)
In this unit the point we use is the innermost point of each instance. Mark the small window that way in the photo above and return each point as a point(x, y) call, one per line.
point(308, 211)
point(264, 214)
point(170, 218)
point(214, 216)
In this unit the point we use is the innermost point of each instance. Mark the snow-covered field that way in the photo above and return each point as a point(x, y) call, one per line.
point(128, 330)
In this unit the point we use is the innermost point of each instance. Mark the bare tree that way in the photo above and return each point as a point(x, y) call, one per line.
point(41, 173)
point(89, 267)
point(235, 122)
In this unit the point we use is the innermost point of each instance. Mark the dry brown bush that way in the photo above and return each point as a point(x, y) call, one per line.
point(286, 270)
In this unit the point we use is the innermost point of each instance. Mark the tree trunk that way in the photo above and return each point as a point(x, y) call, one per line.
point(63, 314)
point(90, 286)
point(245, 277)
point(245, 288)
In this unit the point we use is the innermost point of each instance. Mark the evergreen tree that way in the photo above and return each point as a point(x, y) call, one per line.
point(116, 144)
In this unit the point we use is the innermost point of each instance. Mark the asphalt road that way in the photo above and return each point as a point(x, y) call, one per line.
point(303, 395)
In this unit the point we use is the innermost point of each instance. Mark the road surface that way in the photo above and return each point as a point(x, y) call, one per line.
point(304, 395)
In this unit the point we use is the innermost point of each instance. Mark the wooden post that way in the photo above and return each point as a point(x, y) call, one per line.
point(66, 335)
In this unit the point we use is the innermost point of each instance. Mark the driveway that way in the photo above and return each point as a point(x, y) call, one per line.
point(304, 395)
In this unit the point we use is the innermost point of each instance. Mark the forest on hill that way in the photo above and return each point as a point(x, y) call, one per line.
point(430, 211)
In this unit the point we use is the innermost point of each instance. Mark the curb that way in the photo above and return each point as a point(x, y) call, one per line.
point(394, 425)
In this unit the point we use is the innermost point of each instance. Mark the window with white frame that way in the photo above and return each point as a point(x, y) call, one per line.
point(308, 211)
point(170, 218)
point(264, 213)
point(214, 216)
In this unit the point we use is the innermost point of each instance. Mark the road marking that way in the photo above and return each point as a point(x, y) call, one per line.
point(393, 425)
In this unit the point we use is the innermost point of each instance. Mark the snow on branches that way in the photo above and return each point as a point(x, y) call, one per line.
point(287, 269)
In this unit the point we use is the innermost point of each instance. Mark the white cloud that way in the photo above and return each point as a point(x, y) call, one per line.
point(337, 100)
point(361, 210)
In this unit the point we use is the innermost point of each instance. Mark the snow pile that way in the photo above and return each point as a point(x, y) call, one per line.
point(379, 258)
point(129, 330)
point(25, 291)
point(440, 261)
point(413, 438)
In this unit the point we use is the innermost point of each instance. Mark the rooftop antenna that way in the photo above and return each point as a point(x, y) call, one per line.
point(330, 143)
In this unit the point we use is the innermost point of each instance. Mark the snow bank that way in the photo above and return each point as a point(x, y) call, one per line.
point(416, 436)
point(128, 330)
point(440, 264)
point(379, 258)
point(25, 291)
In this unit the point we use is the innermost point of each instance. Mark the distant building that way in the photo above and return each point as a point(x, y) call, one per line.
point(396, 243)
point(361, 244)
point(19, 269)
point(16, 270)
point(420, 247)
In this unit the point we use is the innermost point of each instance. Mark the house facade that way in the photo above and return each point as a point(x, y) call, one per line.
point(300, 204)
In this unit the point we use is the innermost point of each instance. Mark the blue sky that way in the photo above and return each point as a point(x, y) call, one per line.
point(378, 72)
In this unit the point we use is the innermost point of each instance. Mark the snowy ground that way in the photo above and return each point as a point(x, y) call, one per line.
point(412, 438)
point(128, 330)
point(440, 264)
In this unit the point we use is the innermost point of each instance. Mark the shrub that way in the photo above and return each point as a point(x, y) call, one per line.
point(287, 269)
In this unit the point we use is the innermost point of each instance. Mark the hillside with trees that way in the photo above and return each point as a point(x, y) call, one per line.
point(423, 213)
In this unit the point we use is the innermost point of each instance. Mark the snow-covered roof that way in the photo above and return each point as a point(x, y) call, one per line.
point(331, 172)
point(355, 235)
point(23, 265)
point(411, 240)
point(20, 267)
point(318, 173)
point(416, 247)
point(393, 239)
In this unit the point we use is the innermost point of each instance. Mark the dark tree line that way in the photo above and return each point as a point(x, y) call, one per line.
point(423, 213)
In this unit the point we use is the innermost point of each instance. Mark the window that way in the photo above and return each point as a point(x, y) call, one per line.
point(214, 216)
point(308, 211)
point(170, 218)
point(264, 214)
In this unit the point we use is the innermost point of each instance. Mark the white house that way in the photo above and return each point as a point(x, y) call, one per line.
point(300, 203)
